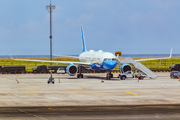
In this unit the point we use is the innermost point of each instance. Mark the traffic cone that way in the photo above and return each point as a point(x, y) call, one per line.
point(102, 80)
point(17, 81)
point(59, 80)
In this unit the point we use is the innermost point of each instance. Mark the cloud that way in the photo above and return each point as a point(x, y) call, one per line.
point(30, 26)
point(98, 4)
point(121, 4)
point(4, 33)
point(31, 30)
point(166, 4)
point(83, 18)
point(142, 18)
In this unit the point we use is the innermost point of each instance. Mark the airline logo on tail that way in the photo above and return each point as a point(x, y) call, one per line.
point(83, 40)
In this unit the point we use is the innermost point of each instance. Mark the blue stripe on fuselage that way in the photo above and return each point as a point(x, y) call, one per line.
point(106, 65)
point(95, 66)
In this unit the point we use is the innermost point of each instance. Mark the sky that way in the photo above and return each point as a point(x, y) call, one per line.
point(129, 26)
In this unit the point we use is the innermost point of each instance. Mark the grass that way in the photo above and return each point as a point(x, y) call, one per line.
point(29, 65)
point(153, 64)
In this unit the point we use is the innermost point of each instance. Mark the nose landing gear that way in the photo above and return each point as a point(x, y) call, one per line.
point(109, 75)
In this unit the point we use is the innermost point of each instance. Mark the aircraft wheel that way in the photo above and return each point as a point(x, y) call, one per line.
point(123, 77)
point(81, 75)
point(141, 78)
point(78, 76)
point(108, 77)
point(111, 75)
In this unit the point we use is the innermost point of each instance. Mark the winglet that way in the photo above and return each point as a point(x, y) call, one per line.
point(170, 53)
point(83, 40)
point(10, 54)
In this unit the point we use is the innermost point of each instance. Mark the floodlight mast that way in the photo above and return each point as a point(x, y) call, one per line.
point(50, 9)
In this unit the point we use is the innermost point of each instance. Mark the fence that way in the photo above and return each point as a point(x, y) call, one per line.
point(153, 65)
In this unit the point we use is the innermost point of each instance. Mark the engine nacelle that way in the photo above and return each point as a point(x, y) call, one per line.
point(125, 68)
point(71, 70)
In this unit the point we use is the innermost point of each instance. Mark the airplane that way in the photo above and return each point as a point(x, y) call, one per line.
point(94, 60)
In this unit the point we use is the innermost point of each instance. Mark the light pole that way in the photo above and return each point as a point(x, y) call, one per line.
point(50, 9)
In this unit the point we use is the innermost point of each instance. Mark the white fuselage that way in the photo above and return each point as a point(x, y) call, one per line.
point(95, 56)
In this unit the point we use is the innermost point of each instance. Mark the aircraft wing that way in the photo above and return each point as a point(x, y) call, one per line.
point(46, 61)
point(152, 59)
point(64, 56)
point(156, 58)
point(130, 60)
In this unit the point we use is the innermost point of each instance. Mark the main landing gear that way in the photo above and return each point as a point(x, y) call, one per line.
point(109, 75)
point(79, 75)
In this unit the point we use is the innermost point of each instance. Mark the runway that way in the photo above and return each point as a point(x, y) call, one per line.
point(28, 96)
point(165, 112)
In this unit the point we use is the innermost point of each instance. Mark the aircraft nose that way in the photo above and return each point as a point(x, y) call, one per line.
point(109, 64)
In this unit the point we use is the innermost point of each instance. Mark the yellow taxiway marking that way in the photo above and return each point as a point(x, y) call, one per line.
point(131, 93)
point(28, 90)
point(49, 108)
point(83, 89)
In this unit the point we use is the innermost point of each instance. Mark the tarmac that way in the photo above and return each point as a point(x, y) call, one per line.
point(28, 90)
point(28, 96)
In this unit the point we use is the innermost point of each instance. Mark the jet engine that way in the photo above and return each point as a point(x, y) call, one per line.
point(125, 68)
point(71, 70)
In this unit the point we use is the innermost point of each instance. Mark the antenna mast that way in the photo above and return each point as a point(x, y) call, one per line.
point(50, 8)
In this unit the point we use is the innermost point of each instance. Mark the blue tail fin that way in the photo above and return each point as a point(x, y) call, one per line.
point(83, 40)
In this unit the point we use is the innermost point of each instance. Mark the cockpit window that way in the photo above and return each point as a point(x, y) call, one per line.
point(114, 59)
point(109, 59)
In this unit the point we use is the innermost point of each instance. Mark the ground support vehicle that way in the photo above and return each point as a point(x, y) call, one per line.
point(175, 67)
point(2, 70)
point(130, 74)
point(174, 74)
point(61, 71)
point(40, 69)
point(55, 68)
point(13, 69)
point(141, 76)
